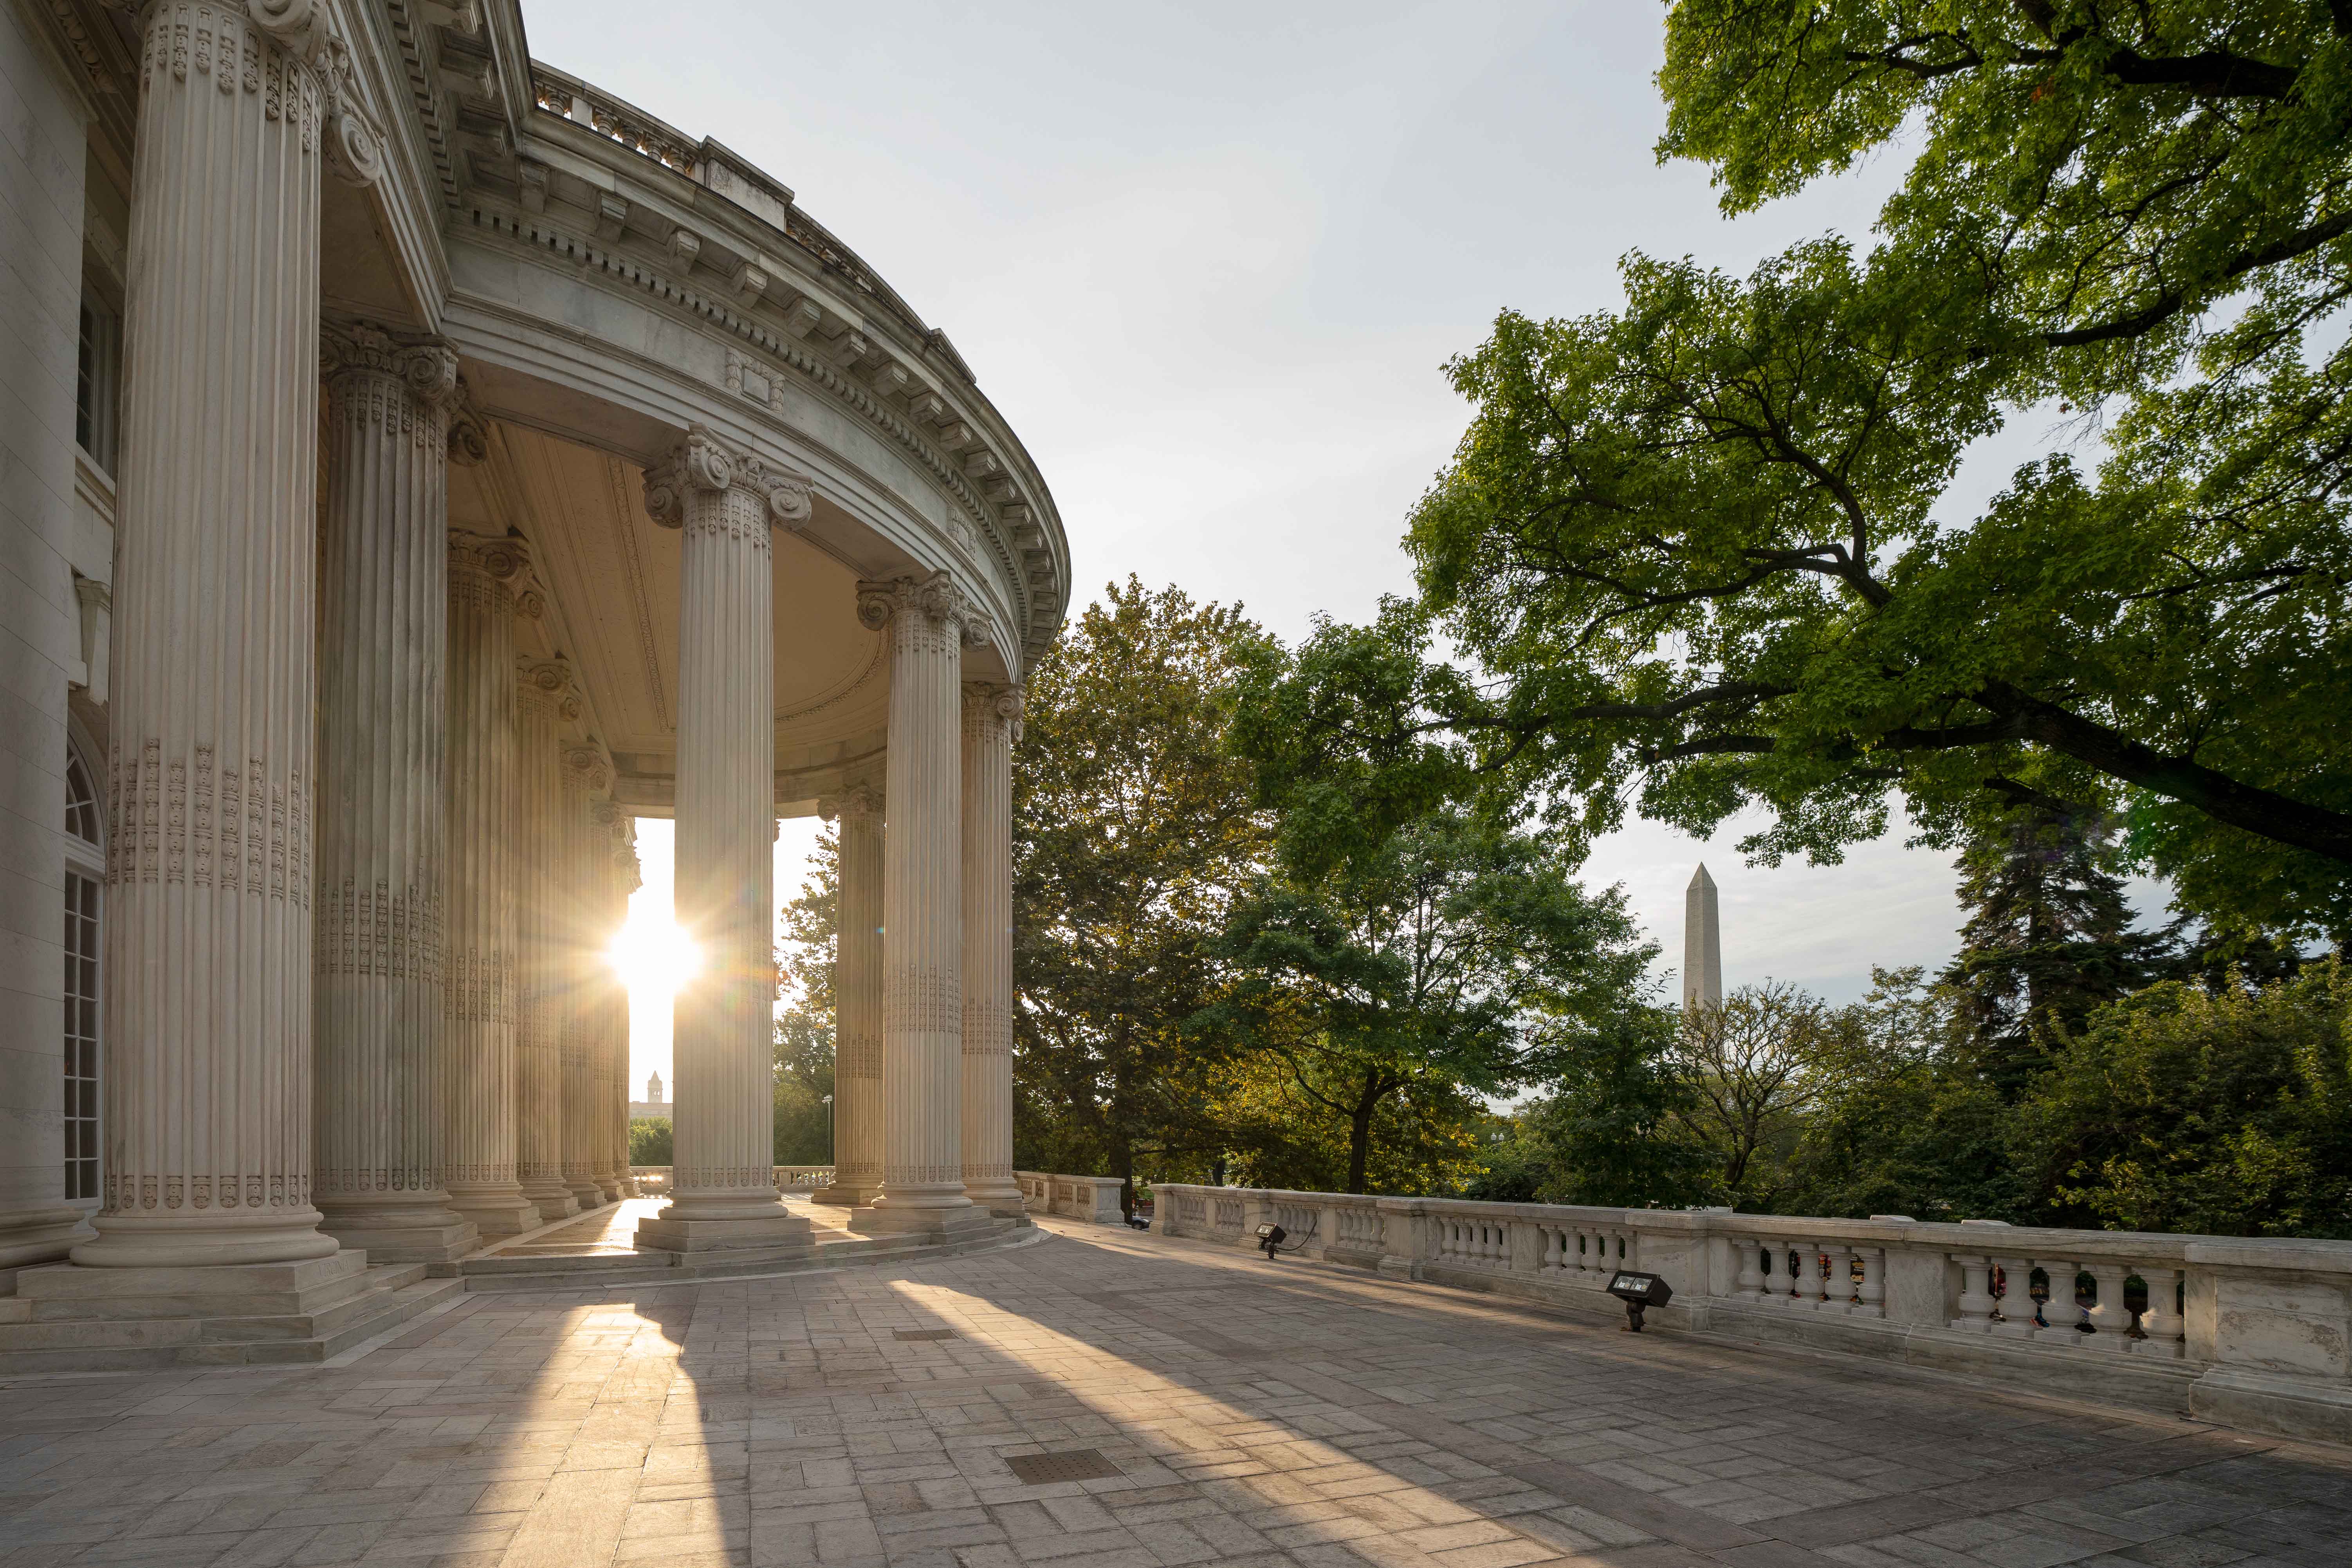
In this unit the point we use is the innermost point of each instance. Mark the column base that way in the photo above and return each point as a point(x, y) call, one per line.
point(610, 1186)
point(961, 1224)
point(408, 1244)
point(585, 1192)
point(999, 1197)
point(847, 1195)
point(35, 1236)
point(234, 1290)
point(225, 1239)
point(554, 1199)
point(505, 1213)
point(779, 1227)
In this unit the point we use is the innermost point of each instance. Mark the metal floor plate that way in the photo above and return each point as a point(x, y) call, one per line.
point(1073, 1465)
point(922, 1333)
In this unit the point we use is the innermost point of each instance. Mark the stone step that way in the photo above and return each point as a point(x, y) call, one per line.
point(504, 1274)
point(389, 1295)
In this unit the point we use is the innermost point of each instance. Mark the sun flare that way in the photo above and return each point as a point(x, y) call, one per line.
point(653, 955)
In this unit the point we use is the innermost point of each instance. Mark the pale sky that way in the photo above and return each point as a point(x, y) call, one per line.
point(1208, 260)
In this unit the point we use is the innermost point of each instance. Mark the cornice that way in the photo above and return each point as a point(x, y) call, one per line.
point(1041, 600)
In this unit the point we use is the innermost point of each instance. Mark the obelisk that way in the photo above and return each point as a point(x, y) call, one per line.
point(1701, 944)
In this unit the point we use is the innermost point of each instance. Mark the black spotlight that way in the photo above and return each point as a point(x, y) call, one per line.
point(1270, 1236)
point(1637, 1291)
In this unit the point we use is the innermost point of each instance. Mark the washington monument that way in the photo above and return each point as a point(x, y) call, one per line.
point(1701, 944)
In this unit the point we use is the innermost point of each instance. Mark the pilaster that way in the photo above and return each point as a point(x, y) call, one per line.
point(724, 503)
point(208, 929)
point(378, 986)
point(544, 702)
point(489, 581)
point(992, 724)
point(857, 1002)
point(922, 910)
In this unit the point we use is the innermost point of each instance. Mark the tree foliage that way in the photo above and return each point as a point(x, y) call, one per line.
point(805, 965)
point(1136, 828)
point(1698, 548)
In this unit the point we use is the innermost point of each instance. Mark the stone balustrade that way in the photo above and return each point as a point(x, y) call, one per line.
point(654, 1180)
point(2246, 1332)
point(1094, 1199)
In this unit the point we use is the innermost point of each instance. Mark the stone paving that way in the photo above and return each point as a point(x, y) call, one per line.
point(1273, 1416)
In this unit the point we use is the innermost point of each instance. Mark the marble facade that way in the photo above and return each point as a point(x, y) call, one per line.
point(425, 465)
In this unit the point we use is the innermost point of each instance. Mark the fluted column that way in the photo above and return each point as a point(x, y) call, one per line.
point(544, 702)
point(857, 1003)
point(486, 578)
point(208, 937)
point(723, 1037)
point(377, 974)
point(922, 910)
point(583, 874)
point(992, 723)
point(608, 1116)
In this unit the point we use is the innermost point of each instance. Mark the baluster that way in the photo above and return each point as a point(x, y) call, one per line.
point(1550, 1250)
point(1807, 1275)
point(1750, 1286)
point(1977, 1302)
point(2162, 1323)
point(2108, 1315)
point(1870, 1296)
point(2016, 1320)
point(1837, 1277)
point(2061, 1312)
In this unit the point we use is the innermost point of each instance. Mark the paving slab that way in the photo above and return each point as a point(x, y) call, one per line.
point(1254, 1415)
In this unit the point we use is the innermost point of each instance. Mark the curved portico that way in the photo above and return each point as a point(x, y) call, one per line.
point(645, 496)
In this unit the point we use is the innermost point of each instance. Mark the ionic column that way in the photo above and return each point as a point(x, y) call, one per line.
point(581, 875)
point(724, 503)
point(922, 910)
point(608, 1117)
point(628, 877)
point(857, 1003)
point(544, 702)
point(992, 723)
point(486, 579)
point(378, 990)
point(208, 936)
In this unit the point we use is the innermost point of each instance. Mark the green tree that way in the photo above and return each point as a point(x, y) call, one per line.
point(1700, 546)
point(1616, 1127)
point(2182, 1109)
point(650, 1141)
point(1421, 961)
point(1135, 828)
point(2048, 938)
point(805, 961)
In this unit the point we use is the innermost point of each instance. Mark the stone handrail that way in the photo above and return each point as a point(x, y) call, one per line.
point(2252, 1332)
point(1094, 1199)
point(652, 1180)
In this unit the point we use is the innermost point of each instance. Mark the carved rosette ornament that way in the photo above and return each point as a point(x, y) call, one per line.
point(724, 503)
point(992, 724)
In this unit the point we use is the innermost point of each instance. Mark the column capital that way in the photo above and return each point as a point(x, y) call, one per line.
point(504, 560)
point(588, 768)
point(425, 365)
point(988, 702)
point(549, 681)
point(935, 596)
point(857, 803)
point(703, 462)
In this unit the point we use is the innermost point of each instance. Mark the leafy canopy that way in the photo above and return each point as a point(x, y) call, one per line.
point(1699, 547)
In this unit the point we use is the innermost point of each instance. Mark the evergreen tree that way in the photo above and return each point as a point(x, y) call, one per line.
point(2048, 938)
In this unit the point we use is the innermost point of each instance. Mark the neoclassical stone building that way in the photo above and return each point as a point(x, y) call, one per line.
point(419, 465)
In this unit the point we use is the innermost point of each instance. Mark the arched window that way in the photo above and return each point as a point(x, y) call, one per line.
point(85, 869)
